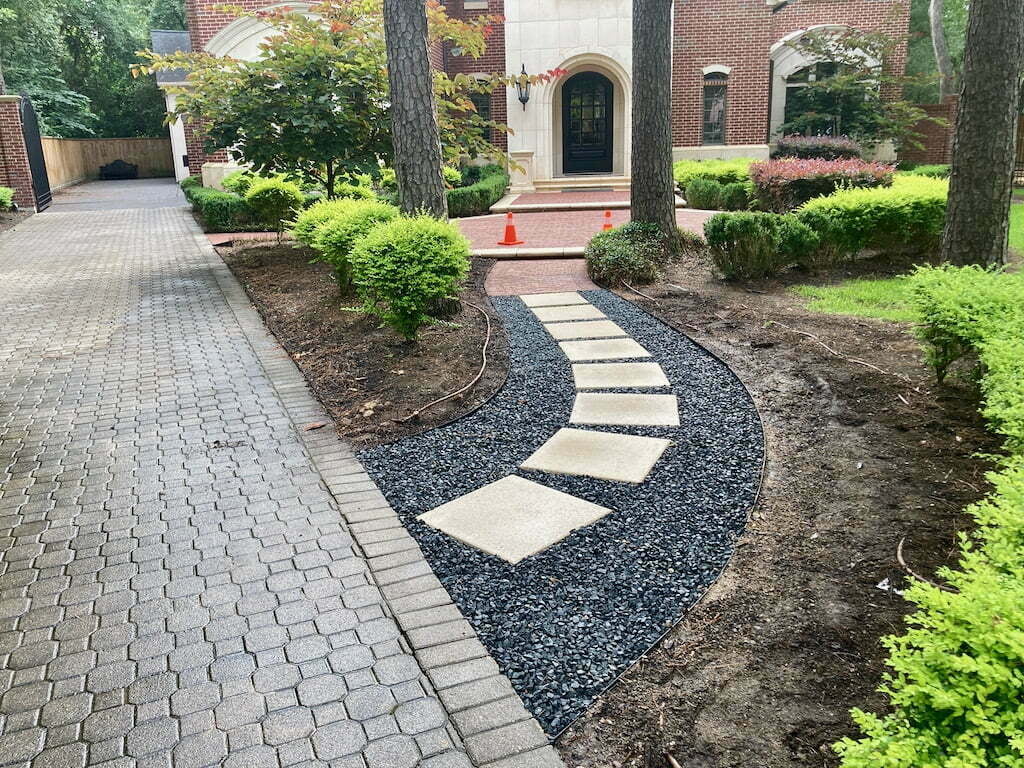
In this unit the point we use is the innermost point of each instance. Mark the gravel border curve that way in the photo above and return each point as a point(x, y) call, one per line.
point(568, 621)
point(486, 719)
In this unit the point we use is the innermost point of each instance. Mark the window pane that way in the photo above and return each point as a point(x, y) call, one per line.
point(714, 114)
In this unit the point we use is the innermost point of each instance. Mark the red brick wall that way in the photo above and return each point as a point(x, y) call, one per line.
point(739, 34)
point(936, 140)
point(493, 60)
point(14, 168)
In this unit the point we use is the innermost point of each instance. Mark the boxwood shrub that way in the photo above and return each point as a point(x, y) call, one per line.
point(632, 253)
point(722, 171)
point(405, 268)
point(307, 224)
point(704, 194)
point(350, 221)
point(220, 211)
point(6, 198)
point(273, 201)
point(487, 186)
point(957, 672)
point(936, 171)
point(753, 245)
point(237, 182)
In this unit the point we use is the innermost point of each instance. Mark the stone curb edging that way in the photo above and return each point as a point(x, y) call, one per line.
point(486, 717)
point(552, 252)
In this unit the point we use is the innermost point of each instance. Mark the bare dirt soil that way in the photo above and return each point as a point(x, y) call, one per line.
point(764, 670)
point(368, 377)
point(9, 219)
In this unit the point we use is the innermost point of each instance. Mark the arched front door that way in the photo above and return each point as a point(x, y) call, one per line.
point(587, 109)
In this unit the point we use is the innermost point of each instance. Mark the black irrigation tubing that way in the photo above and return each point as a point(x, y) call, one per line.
point(753, 505)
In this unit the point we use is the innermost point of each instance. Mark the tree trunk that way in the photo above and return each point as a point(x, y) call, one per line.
point(947, 78)
point(413, 112)
point(980, 189)
point(653, 188)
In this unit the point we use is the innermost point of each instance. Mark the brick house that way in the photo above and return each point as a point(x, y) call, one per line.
point(732, 71)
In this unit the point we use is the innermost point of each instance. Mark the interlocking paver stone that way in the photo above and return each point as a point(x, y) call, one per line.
point(181, 588)
point(604, 455)
point(513, 518)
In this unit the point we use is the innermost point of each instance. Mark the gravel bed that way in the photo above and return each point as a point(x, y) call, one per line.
point(564, 623)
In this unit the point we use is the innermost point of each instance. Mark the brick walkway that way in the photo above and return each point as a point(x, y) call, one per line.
point(118, 195)
point(515, 277)
point(177, 586)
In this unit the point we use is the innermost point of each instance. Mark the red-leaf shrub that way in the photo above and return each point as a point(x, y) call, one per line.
point(818, 148)
point(783, 185)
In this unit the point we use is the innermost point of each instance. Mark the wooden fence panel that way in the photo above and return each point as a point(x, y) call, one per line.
point(69, 161)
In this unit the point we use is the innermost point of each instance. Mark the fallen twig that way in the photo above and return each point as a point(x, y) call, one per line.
point(911, 572)
point(639, 293)
point(672, 761)
point(479, 375)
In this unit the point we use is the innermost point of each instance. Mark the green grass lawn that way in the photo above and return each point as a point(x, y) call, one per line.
point(881, 299)
point(1017, 228)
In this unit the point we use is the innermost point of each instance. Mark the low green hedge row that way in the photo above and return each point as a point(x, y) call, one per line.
point(220, 211)
point(730, 171)
point(957, 673)
point(476, 199)
point(266, 204)
point(936, 171)
point(6, 198)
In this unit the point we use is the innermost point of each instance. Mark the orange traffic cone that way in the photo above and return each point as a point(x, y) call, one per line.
point(607, 221)
point(511, 238)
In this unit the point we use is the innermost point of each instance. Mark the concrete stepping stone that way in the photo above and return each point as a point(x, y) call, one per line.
point(603, 349)
point(622, 409)
point(571, 312)
point(586, 329)
point(552, 299)
point(604, 455)
point(513, 518)
point(618, 375)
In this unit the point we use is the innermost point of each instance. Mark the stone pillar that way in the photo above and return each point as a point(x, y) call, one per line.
point(14, 168)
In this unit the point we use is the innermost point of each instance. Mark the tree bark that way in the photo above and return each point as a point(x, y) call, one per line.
point(653, 188)
point(947, 78)
point(417, 142)
point(981, 182)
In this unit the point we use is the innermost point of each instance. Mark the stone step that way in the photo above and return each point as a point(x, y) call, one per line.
point(602, 349)
point(612, 408)
point(571, 312)
point(552, 299)
point(585, 329)
point(604, 455)
point(618, 375)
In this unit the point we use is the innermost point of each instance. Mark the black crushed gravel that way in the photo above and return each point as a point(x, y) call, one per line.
point(562, 624)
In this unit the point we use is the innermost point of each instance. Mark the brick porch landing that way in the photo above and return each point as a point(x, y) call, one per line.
point(570, 200)
point(514, 277)
point(554, 234)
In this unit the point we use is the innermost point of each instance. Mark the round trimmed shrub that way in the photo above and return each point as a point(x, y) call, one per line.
point(632, 253)
point(736, 196)
point(405, 268)
point(705, 194)
point(750, 246)
point(351, 221)
point(354, 192)
point(238, 182)
point(307, 224)
point(273, 201)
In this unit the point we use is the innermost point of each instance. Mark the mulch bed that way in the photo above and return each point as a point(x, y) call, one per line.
point(764, 670)
point(367, 376)
point(563, 623)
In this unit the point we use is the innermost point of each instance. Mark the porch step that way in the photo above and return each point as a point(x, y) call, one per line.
point(583, 183)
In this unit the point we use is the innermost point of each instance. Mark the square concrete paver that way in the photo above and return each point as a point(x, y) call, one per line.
point(603, 349)
point(513, 518)
point(618, 375)
point(571, 312)
point(605, 455)
point(552, 299)
point(586, 329)
point(620, 409)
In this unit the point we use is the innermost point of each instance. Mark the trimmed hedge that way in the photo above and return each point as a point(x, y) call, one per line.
point(238, 182)
point(6, 198)
point(219, 211)
point(782, 185)
point(406, 268)
point(336, 238)
point(958, 671)
point(818, 148)
point(749, 246)
point(936, 171)
point(632, 253)
point(907, 216)
point(273, 201)
point(307, 224)
point(723, 171)
point(488, 187)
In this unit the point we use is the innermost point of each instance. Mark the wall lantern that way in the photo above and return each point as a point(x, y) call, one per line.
point(523, 86)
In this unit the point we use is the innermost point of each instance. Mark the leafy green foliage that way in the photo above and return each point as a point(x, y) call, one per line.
point(818, 148)
point(335, 239)
point(936, 171)
point(922, 87)
point(722, 171)
point(273, 201)
point(452, 176)
point(907, 216)
point(238, 182)
point(307, 224)
point(219, 211)
point(704, 194)
point(736, 196)
point(855, 98)
point(6, 198)
point(887, 299)
point(404, 268)
point(750, 246)
point(477, 198)
point(958, 670)
point(632, 253)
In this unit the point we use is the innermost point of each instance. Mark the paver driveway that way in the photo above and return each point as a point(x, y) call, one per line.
point(177, 587)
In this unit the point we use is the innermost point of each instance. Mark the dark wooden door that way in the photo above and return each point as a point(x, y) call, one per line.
point(587, 128)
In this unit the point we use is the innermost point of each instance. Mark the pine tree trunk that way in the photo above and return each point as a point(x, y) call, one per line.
point(980, 190)
point(413, 112)
point(947, 80)
point(653, 188)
